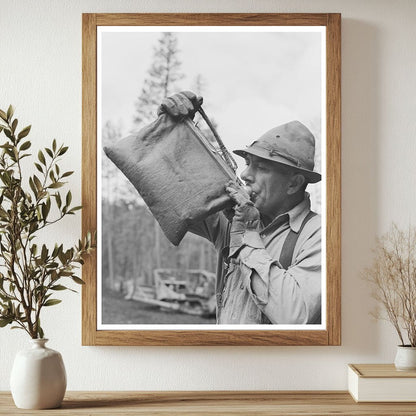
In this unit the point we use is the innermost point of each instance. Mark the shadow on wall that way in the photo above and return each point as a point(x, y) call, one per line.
point(360, 186)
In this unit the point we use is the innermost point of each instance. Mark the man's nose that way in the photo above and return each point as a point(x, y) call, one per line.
point(246, 175)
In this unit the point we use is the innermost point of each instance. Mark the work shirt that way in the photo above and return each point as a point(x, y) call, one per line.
point(252, 286)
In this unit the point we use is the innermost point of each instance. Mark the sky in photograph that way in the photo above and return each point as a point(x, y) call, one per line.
point(253, 80)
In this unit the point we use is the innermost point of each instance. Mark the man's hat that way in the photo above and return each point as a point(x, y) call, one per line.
point(291, 144)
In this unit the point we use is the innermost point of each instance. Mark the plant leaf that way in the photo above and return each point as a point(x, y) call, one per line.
point(34, 249)
point(10, 112)
point(40, 332)
point(25, 145)
point(37, 183)
point(59, 287)
point(63, 151)
point(14, 125)
point(24, 133)
point(5, 321)
point(39, 167)
point(44, 253)
point(45, 211)
point(33, 187)
point(56, 185)
point(58, 199)
point(41, 157)
point(8, 133)
point(68, 199)
point(78, 280)
point(51, 302)
point(67, 174)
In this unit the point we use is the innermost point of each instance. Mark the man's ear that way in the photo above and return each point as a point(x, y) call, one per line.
point(297, 181)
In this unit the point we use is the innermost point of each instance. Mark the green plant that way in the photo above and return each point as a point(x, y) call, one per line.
point(393, 277)
point(30, 272)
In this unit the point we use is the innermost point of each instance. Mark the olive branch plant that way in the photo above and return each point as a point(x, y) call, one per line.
point(393, 278)
point(30, 272)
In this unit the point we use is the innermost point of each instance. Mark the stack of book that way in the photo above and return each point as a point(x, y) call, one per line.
point(381, 383)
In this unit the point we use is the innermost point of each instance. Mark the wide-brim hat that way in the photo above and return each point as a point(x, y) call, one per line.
point(291, 144)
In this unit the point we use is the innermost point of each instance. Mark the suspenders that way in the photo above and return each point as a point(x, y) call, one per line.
point(289, 245)
point(285, 256)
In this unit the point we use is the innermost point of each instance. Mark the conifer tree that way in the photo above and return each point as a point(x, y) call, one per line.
point(162, 80)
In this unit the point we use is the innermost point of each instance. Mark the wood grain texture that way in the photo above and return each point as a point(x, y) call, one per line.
point(333, 160)
point(212, 338)
point(211, 19)
point(330, 336)
point(380, 371)
point(268, 403)
point(89, 172)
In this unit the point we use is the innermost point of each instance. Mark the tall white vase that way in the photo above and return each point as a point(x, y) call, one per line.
point(38, 378)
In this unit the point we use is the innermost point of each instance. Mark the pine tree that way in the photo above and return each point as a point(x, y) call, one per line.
point(163, 76)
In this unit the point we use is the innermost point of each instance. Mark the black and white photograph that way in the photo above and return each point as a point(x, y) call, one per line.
point(211, 177)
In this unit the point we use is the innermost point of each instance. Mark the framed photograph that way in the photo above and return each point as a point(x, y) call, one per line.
point(211, 172)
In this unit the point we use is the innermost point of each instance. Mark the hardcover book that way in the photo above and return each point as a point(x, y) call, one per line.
point(381, 383)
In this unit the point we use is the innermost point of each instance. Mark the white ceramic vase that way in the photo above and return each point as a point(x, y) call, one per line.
point(405, 358)
point(38, 378)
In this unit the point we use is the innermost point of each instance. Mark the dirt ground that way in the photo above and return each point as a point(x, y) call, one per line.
point(117, 310)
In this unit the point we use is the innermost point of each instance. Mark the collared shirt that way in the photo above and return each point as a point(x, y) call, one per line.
point(252, 286)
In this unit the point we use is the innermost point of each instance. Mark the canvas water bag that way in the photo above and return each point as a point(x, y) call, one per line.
point(178, 173)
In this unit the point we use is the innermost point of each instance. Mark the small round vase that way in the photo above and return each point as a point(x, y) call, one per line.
point(38, 377)
point(405, 358)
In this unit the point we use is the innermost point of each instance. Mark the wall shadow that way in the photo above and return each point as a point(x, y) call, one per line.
point(360, 180)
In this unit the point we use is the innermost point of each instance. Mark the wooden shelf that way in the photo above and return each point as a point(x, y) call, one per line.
point(180, 403)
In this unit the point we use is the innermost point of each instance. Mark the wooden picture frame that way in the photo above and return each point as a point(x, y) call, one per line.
point(331, 334)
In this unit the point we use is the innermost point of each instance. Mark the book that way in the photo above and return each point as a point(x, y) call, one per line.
point(381, 383)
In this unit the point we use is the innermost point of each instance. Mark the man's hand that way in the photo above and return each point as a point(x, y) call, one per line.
point(246, 214)
point(183, 104)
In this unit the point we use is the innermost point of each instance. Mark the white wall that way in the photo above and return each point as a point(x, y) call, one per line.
point(40, 73)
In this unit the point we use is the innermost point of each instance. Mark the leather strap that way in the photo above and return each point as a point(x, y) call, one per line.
point(289, 245)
